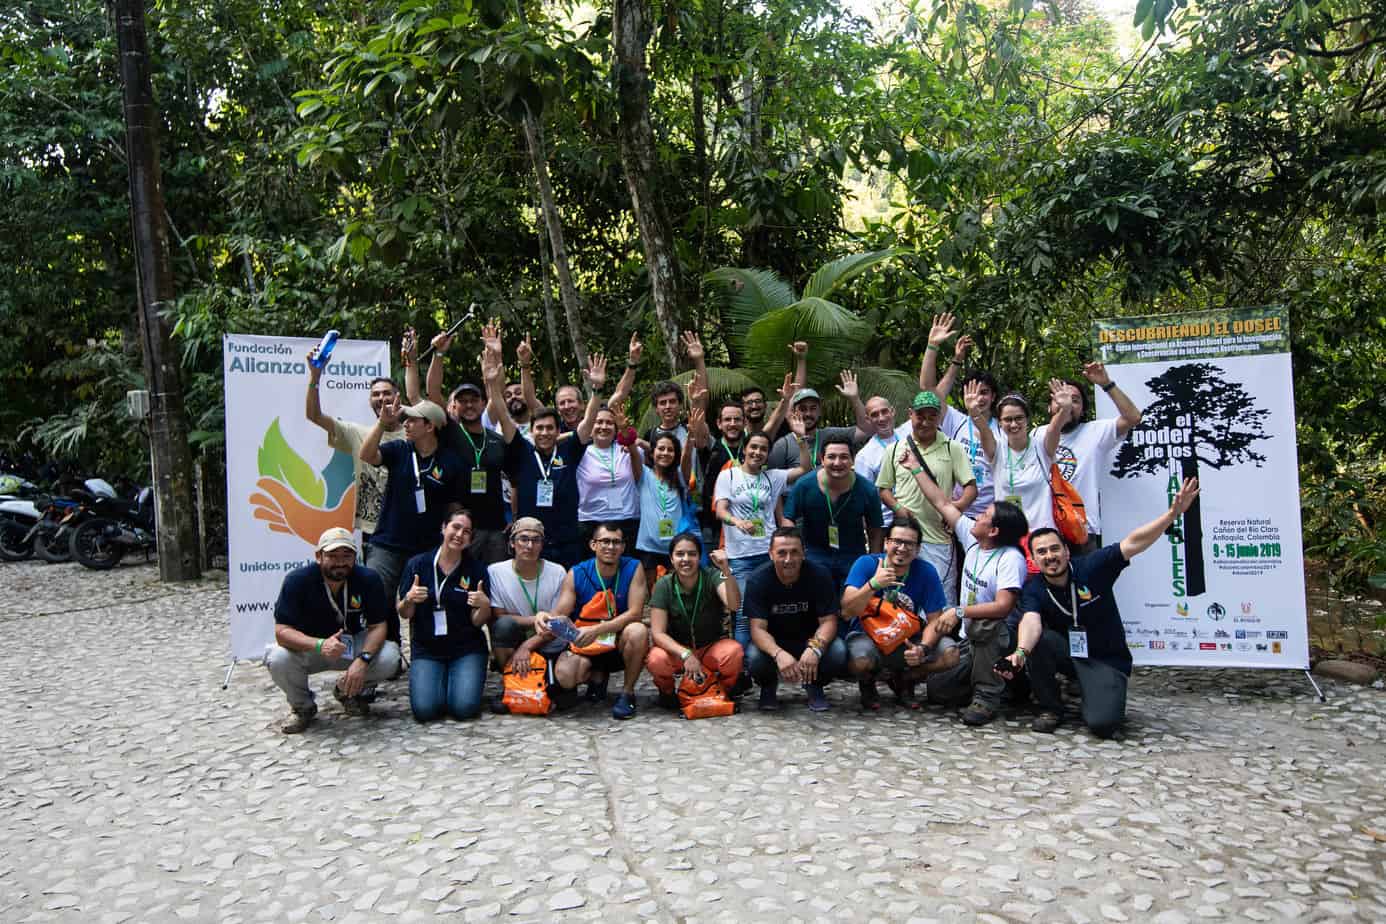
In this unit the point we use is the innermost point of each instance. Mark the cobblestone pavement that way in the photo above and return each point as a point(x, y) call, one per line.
point(136, 789)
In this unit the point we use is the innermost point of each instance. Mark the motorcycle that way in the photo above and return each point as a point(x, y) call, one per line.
point(19, 511)
point(113, 529)
point(51, 536)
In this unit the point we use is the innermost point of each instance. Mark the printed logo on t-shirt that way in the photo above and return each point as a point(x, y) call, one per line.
point(1067, 462)
point(354, 602)
point(789, 609)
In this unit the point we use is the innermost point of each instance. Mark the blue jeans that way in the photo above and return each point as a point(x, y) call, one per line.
point(452, 686)
point(741, 569)
point(832, 666)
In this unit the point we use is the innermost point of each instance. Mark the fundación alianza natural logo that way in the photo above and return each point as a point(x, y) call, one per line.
point(293, 498)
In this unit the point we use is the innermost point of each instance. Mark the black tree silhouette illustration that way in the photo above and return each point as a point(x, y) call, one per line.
point(1197, 418)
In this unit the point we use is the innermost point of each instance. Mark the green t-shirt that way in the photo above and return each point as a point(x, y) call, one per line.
point(691, 623)
point(950, 465)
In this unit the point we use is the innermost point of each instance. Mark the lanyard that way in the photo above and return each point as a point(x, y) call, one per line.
point(827, 498)
point(981, 571)
point(533, 600)
point(1011, 467)
point(340, 610)
point(438, 587)
point(665, 496)
point(414, 457)
point(543, 469)
point(754, 494)
point(813, 457)
point(616, 589)
point(731, 454)
point(608, 463)
point(973, 442)
point(697, 604)
point(476, 450)
point(1072, 596)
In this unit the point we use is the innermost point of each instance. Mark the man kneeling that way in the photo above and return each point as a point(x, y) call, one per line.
point(792, 606)
point(887, 595)
point(688, 620)
point(605, 598)
point(330, 616)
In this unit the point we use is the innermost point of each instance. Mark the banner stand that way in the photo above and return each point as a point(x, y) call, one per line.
point(1315, 684)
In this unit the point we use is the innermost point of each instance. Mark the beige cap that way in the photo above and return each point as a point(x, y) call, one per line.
point(527, 524)
point(426, 410)
point(336, 538)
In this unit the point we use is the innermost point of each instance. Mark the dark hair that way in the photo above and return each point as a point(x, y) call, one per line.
point(756, 434)
point(985, 378)
point(729, 402)
point(545, 413)
point(666, 388)
point(686, 536)
point(1015, 399)
point(674, 470)
point(834, 440)
point(752, 390)
point(610, 526)
point(787, 532)
point(1044, 531)
point(1009, 522)
point(907, 523)
point(455, 510)
point(387, 381)
point(1082, 395)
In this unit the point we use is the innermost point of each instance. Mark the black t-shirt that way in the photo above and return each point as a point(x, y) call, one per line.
point(793, 611)
point(304, 602)
point(711, 461)
point(401, 526)
point(526, 473)
point(1093, 576)
point(461, 637)
point(484, 451)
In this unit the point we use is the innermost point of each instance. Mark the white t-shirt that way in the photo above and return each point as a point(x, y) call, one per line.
point(606, 485)
point(752, 498)
point(503, 587)
point(1085, 452)
point(872, 456)
point(1023, 477)
point(959, 428)
point(986, 572)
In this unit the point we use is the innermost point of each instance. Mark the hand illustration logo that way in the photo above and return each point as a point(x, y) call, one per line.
point(292, 498)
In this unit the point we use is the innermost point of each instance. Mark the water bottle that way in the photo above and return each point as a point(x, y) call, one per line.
point(329, 340)
point(563, 629)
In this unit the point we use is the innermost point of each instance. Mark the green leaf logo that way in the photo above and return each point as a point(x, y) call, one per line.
point(278, 460)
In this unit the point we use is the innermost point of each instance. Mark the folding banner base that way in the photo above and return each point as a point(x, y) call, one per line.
point(1317, 689)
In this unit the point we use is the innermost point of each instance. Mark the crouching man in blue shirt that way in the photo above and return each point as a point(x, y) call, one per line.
point(330, 616)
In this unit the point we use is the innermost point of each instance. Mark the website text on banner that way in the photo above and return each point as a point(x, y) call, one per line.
point(1227, 590)
point(284, 483)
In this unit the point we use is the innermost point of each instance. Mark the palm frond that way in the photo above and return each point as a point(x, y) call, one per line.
point(750, 294)
point(836, 338)
point(832, 275)
point(721, 383)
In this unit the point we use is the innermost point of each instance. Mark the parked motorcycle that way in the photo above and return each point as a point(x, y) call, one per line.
point(114, 529)
point(19, 511)
point(52, 534)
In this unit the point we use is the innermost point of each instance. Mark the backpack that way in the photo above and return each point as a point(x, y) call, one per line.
point(528, 695)
point(1070, 515)
point(596, 611)
point(703, 700)
point(889, 626)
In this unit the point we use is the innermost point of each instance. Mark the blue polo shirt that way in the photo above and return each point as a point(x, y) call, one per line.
point(921, 594)
point(526, 471)
point(304, 603)
point(461, 637)
point(401, 526)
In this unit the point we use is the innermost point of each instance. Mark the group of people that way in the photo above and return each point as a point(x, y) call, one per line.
point(752, 546)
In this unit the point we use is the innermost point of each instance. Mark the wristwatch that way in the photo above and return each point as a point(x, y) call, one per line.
point(367, 656)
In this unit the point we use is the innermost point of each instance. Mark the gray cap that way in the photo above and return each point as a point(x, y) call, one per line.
point(805, 394)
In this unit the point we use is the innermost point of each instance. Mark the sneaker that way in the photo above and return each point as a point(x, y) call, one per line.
point(870, 698)
point(351, 705)
point(818, 700)
point(742, 687)
point(668, 701)
point(1045, 723)
point(299, 720)
point(596, 691)
point(769, 700)
point(977, 714)
point(625, 707)
point(903, 688)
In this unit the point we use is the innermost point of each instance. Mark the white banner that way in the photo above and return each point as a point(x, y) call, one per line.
point(1225, 586)
point(284, 484)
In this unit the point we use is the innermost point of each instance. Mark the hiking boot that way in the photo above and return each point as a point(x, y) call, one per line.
point(903, 688)
point(351, 705)
point(977, 714)
point(625, 707)
point(742, 687)
point(668, 701)
point(299, 720)
point(596, 691)
point(769, 700)
point(1045, 723)
point(870, 698)
point(817, 699)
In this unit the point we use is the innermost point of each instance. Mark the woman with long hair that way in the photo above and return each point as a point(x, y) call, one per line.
point(664, 502)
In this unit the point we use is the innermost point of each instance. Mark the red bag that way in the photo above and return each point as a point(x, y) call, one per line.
point(889, 626)
point(703, 700)
point(528, 695)
point(1070, 515)
point(594, 612)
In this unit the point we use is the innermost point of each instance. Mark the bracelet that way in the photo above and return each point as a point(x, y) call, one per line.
point(320, 641)
point(960, 611)
point(1109, 386)
point(916, 471)
point(684, 656)
point(872, 584)
point(955, 362)
point(1024, 655)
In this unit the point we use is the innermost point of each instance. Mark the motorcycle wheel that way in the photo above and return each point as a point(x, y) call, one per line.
point(14, 545)
point(92, 547)
point(51, 548)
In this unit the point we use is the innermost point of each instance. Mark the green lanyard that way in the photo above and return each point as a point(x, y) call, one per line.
point(616, 590)
point(730, 453)
point(827, 498)
point(813, 457)
point(697, 604)
point(1011, 467)
point(666, 498)
point(533, 600)
point(609, 463)
point(756, 495)
point(983, 570)
point(476, 450)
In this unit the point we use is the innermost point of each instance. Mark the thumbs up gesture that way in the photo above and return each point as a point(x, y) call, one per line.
point(417, 592)
point(477, 599)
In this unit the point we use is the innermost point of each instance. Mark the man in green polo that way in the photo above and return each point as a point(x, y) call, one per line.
point(926, 453)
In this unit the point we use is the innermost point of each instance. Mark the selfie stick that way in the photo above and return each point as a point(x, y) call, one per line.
point(471, 312)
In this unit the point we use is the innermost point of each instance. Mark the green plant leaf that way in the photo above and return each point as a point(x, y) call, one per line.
point(832, 275)
point(753, 293)
point(836, 337)
point(278, 460)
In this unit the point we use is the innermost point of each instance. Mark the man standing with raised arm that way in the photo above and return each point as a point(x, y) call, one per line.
point(1071, 623)
point(957, 425)
point(785, 452)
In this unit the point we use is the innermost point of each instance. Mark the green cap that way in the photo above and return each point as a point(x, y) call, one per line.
point(925, 400)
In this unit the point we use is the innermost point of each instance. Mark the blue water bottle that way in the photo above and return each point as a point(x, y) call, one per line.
point(329, 340)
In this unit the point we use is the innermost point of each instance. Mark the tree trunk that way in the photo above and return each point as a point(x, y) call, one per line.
point(630, 35)
point(1197, 581)
point(168, 428)
point(538, 155)
point(550, 319)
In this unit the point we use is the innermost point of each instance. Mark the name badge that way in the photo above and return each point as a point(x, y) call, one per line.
point(757, 528)
point(479, 481)
point(543, 494)
point(419, 504)
point(979, 472)
point(440, 623)
point(1077, 643)
point(971, 597)
point(832, 537)
point(666, 529)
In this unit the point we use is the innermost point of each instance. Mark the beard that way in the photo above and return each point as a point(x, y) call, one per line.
point(516, 406)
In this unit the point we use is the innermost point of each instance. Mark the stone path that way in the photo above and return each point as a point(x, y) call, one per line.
point(136, 789)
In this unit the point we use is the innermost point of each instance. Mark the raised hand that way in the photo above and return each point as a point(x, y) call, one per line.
point(718, 559)
point(390, 412)
point(799, 348)
point(941, 329)
point(596, 371)
point(885, 577)
point(972, 399)
point(963, 347)
point(417, 593)
point(1064, 396)
point(697, 390)
point(635, 350)
point(1184, 499)
point(524, 351)
point(797, 425)
point(789, 387)
point(697, 419)
point(1097, 374)
point(692, 345)
point(491, 336)
point(848, 388)
point(477, 599)
point(409, 344)
point(491, 368)
point(441, 342)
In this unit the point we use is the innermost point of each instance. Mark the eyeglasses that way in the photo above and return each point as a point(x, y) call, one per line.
point(1013, 420)
point(528, 540)
point(609, 543)
point(902, 543)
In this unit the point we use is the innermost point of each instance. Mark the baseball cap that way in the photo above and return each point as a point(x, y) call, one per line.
point(468, 388)
point(427, 410)
point(926, 400)
point(805, 394)
point(336, 538)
